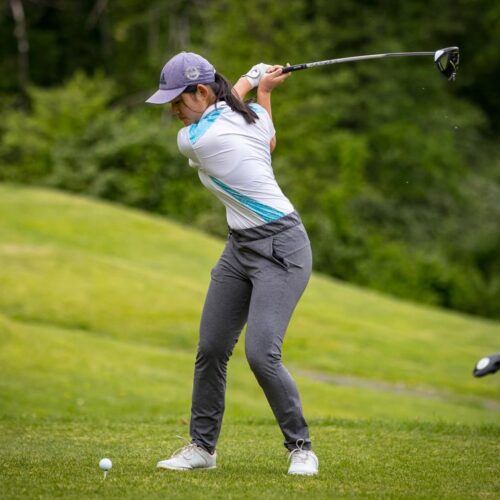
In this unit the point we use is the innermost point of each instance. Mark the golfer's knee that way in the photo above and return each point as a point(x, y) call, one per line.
point(263, 362)
point(212, 354)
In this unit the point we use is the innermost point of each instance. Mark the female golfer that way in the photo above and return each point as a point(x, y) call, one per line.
point(266, 263)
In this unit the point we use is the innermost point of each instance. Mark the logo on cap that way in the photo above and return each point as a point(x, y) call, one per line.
point(162, 80)
point(192, 73)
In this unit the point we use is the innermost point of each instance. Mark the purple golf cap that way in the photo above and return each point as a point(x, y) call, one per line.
point(184, 69)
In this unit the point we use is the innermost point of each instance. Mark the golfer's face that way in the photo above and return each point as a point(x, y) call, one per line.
point(188, 108)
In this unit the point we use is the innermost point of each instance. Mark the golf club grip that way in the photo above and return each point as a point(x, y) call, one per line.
point(295, 67)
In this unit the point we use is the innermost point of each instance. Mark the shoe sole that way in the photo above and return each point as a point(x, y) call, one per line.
point(302, 473)
point(164, 467)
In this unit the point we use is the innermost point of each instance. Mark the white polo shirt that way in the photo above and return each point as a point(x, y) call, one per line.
point(234, 162)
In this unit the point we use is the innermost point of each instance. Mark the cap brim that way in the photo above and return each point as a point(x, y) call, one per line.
point(164, 96)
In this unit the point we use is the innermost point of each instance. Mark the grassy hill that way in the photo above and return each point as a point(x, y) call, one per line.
point(99, 310)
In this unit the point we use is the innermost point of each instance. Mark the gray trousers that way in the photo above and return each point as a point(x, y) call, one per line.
point(258, 280)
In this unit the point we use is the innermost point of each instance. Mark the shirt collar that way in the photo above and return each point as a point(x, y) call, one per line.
point(220, 105)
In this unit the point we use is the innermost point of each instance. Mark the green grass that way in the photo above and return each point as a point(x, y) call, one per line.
point(99, 310)
point(357, 458)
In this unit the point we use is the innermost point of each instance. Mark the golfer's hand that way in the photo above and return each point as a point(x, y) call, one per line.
point(272, 78)
point(255, 73)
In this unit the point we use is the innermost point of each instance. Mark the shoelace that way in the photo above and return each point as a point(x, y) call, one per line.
point(186, 451)
point(298, 455)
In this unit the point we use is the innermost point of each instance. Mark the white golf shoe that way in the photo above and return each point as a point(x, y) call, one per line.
point(189, 457)
point(303, 462)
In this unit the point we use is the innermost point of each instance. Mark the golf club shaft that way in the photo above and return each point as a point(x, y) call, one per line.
point(297, 67)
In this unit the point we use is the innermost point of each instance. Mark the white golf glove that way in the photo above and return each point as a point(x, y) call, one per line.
point(256, 73)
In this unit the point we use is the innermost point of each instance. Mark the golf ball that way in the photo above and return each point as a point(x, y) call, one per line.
point(105, 464)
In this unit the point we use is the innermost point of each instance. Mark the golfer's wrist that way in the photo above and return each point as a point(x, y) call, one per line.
point(265, 92)
point(242, 87)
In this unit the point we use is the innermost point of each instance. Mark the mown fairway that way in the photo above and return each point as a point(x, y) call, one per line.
point(99, 308)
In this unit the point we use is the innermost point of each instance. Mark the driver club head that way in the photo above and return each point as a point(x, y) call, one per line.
point(447, 61)
point(487, 365)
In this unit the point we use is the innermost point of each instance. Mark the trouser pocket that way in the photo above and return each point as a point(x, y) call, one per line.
point(283, 248)
point(288, 246)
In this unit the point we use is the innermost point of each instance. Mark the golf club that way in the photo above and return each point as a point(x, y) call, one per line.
point(487, 365)
point(446, 60)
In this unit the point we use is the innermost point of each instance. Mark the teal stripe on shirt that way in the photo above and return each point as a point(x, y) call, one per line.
point(196, 130)
point(265, 212)
point(257, 107)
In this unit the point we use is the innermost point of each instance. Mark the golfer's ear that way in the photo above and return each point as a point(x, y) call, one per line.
point(202, 90)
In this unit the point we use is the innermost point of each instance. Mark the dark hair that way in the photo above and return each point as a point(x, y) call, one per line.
point(223, 92)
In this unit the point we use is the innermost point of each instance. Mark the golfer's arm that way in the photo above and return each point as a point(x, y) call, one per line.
point(264, 100)
point(242, 87)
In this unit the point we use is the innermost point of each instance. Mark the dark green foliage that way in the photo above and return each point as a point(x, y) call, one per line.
point(395, 171)
point(75, 140)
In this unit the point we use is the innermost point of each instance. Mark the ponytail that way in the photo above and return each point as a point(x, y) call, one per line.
point(223, 92)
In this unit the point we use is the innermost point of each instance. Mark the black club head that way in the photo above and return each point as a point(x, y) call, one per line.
point(447, 61)
point(487, 365)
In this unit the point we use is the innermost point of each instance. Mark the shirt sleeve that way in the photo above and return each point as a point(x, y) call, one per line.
point(183, 142)
point(186, 148)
